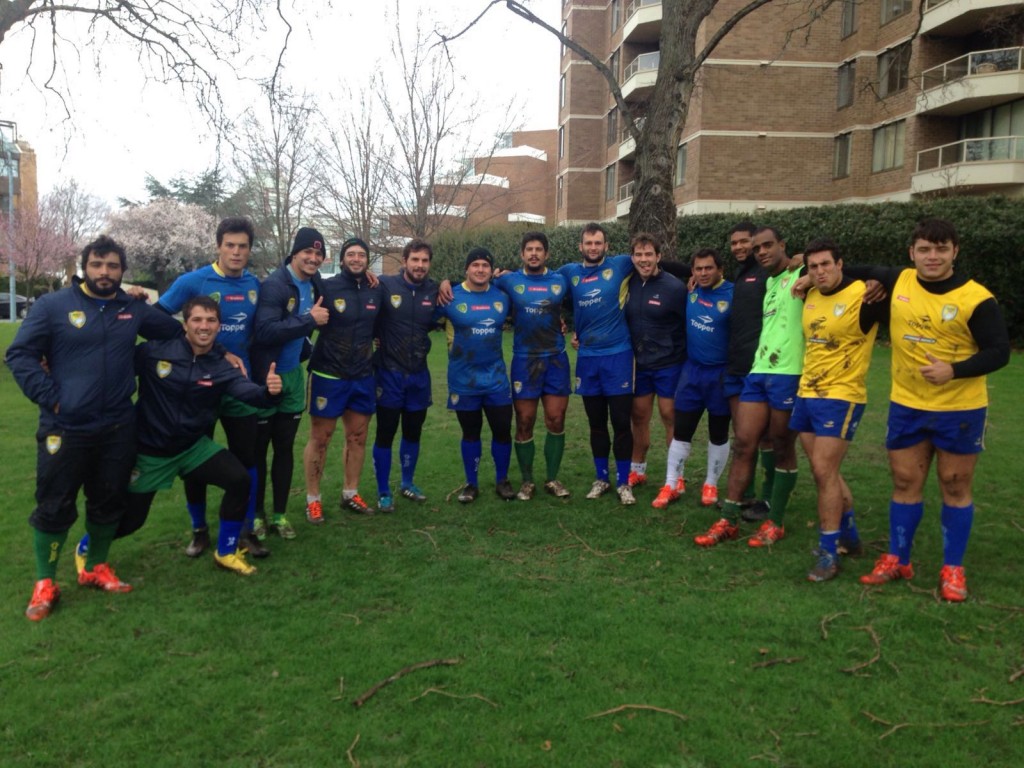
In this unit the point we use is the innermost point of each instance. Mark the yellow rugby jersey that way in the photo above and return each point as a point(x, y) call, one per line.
point(924, 323)
point(838, 352)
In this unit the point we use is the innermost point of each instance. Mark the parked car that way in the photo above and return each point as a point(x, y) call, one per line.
point(21, 306)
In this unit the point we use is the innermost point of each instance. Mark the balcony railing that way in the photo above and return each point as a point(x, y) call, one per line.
point(642, 63)
point(626, 191)
point(995, 148)
point(636, 5)
point(929, 4)
point(626, 135)
point(977, 63)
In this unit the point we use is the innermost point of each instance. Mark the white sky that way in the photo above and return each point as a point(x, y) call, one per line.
point(123, 127)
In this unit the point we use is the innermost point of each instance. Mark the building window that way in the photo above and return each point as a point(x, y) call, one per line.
point(616, 15)
point(558, 193)
point(613, 64)
point(609, 183)
point(892, 9)
point(848, 25)
point(561, 93)
point(887, 146)
point(841, 153)
point(680, 178)
point(847, 77)
point(893, 70)
point(613, 127)
point(561, 142)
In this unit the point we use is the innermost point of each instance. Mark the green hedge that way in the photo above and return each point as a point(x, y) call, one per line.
point(991, 239)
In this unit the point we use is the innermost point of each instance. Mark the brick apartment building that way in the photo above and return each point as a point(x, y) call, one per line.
point(856, 108)
point(23, 181)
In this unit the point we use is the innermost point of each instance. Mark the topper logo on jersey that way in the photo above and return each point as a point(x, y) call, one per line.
point(592, 297)
point(236, 324)
point(488, 328)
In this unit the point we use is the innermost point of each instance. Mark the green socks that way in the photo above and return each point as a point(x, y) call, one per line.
point(554, 447)
point(768, 483)
point(785, 481)
point(100, 539)
point(524, 455)
point(47, 546)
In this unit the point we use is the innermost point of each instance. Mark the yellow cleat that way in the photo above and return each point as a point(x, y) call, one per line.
point(234, 561)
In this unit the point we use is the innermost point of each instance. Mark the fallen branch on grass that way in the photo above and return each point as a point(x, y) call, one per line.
point(878, 651)
point(828, 620)
point(983, 699)
point(371, 692)
point(427, 534)
point(454, 696)
point(773, 662)
point(341, 690)
point(595, 552)
point(624, 707)
point(893, 727)
point(1017, 675)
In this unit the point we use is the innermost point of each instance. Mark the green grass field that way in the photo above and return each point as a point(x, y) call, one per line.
point(586, 634)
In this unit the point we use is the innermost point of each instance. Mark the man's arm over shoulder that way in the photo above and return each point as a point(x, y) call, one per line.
point(988, 328)
point(156, 322)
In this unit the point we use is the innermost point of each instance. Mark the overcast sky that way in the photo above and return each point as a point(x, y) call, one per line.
point(124, 127)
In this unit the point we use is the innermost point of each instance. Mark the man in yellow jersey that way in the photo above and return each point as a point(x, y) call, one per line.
point(839, 329)
point(947, 335)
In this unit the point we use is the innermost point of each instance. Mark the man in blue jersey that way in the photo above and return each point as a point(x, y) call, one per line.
point(540, 366)
point(341, 378)
point(478, 382)
point(289, 310)
point(86, 438)
point(656, 316)
point(702, 383)
point(604, 365)
point(230, 284)
point(400, 365)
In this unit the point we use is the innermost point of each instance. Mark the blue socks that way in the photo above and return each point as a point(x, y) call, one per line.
point(227, 537)
point(903, 521)
point(829, 541)
point(502, 455)
point(848, 527)
point(621, 472)
point(601, 467)
point(382, 468)
point(956, 530)
point(408, 454)
point(471, 453)
point(198, 514)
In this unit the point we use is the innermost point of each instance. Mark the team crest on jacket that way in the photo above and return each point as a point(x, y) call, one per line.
point(838, 310)
point(339, 304)
point(556, 289)
point(607, 274)
point(520, 289)
point(215, 296)
point(500, 306)
point(461, 308)
point(948, 312)
point(396, 300)
point(517, 386)
point(163, 368)
point(693, 298)
point(454, 398)
point(575, 279)
point(321, 403)
point(291, 304)
point(76, 318)
point(722, 306)
point(252, 297)
point(52, 444)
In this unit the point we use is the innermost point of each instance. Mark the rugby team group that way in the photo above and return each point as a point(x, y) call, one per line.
point(780, 352)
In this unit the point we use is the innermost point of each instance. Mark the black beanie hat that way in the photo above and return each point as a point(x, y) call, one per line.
point(477, 254)
point(307, 237)
point(354, 241)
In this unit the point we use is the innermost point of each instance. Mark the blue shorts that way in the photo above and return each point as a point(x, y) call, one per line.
point(661, 381)
point(951, 431)
point(826, 417)
point(536, 376)
point(329, 398)
point(733, 385)
point(404, 391)
point(702, 387)
point(607, 375)
point(777, 389)
point(460, 402)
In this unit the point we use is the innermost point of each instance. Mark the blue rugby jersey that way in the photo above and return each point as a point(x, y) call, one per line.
point(708, 321)
point(598, 296)
point(475, 362)
point(537, 310)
